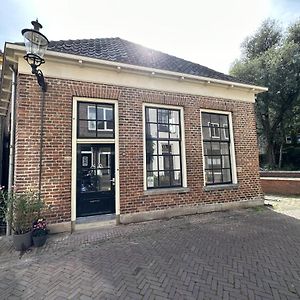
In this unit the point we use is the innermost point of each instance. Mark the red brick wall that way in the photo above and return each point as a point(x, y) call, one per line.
point(281, 187)
point(56, 183)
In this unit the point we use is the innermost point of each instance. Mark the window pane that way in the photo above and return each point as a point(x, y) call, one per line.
point(224, 120)
point(152, 164)
point(100, 113)
point(174, 147)
point(151, 131)
point(215, 148)
point(163, 131)
point(164, 179)
point(152, 179)
point(206, 133)
point(208, 162)
point(174, 117)
point(209, 176)
point(207, 148)
point(224, 148)
point(216, 161)
point(174, 132)
point(205, 119)
point(225, 162)
point(100, 125)
point(217, 176)
point(214, 131)
point(215, 119)
point(86, 129)
point(91, 112)
point(151, 147)
point(175, 178)
point(109, 114)
point(164, 162)
point(163, 147)
point(110, 125)
point(163, 116)
point(151, 115)
point(175, 162)
point(224, 134)
point(226, 175)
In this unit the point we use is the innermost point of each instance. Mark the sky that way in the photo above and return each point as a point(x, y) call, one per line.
point(208, 32)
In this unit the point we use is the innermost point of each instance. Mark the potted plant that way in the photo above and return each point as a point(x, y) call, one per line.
point(19, 210)
point(39, 232)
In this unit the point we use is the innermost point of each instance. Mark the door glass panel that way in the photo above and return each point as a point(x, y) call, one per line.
point(95, 170)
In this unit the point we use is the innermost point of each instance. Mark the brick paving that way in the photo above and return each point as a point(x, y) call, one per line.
point(246, 254)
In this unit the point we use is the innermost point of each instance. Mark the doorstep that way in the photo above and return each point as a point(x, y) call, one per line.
point(93, 222)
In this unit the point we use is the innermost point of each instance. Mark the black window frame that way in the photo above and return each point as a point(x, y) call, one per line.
point(97, 131)
point(161, 127)
point(214, 155)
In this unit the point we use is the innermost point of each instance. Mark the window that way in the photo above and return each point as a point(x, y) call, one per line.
point(217, 148)
point(95, 120)
point(163, 148)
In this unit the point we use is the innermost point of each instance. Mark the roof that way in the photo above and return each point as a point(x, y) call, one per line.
point(123, 51)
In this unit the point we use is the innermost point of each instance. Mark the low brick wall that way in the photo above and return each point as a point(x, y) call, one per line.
point(280, 182)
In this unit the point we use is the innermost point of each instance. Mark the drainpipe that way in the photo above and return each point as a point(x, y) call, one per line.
point(12, 138)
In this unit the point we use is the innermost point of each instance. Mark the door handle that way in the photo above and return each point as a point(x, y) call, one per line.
point(113, 181)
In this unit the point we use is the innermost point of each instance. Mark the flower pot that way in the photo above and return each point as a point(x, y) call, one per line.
point(39, 241)
point(23, 241)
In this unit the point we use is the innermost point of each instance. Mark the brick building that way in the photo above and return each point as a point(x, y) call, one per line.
point(131, 133)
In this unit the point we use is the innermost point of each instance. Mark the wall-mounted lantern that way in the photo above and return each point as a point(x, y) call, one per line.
point(36, 44)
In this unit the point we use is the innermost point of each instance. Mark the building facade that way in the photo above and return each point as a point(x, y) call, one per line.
point(132, 138)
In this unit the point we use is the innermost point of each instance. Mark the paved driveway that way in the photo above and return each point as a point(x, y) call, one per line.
point(247, 254)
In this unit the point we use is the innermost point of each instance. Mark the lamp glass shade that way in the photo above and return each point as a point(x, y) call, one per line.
point(35, 42)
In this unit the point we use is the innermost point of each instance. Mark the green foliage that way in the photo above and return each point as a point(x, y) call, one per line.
point(272, 59)
point(20, 209)
point(266, 37)
point(291, 158)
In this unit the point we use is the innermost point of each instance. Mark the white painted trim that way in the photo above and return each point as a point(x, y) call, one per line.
point(95, 141)
point(232, 147)
point(280, 178)
point(182, 145)
point(151, 71)
point(74, 162)
point(76, 141)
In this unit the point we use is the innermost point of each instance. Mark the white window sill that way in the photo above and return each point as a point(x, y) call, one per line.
point(219, 187)
point(158, 191)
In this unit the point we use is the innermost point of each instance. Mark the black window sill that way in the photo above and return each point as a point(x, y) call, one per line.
point(220, 187)
point(158, 191)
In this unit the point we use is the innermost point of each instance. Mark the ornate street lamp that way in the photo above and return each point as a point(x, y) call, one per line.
point(36, 44)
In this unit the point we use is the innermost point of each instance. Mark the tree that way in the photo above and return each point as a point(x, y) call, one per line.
point(271, 58)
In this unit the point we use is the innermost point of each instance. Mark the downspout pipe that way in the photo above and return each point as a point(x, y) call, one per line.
point(12, 138)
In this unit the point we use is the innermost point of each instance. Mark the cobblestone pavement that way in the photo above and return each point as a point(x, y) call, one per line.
point(245, 254)
point(286, 205)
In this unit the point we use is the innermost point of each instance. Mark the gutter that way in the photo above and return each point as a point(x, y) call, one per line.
point(119, 66)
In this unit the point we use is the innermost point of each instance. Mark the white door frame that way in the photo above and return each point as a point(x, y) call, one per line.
point(76, 141)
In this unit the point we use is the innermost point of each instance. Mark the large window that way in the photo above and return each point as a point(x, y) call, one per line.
point(95, 120)
point(163, 148)
point(216, 146)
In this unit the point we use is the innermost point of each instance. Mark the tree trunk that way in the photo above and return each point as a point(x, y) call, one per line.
point(271, 155)
point(280, 156)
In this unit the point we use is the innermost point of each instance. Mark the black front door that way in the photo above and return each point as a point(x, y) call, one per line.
point(95, 179)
